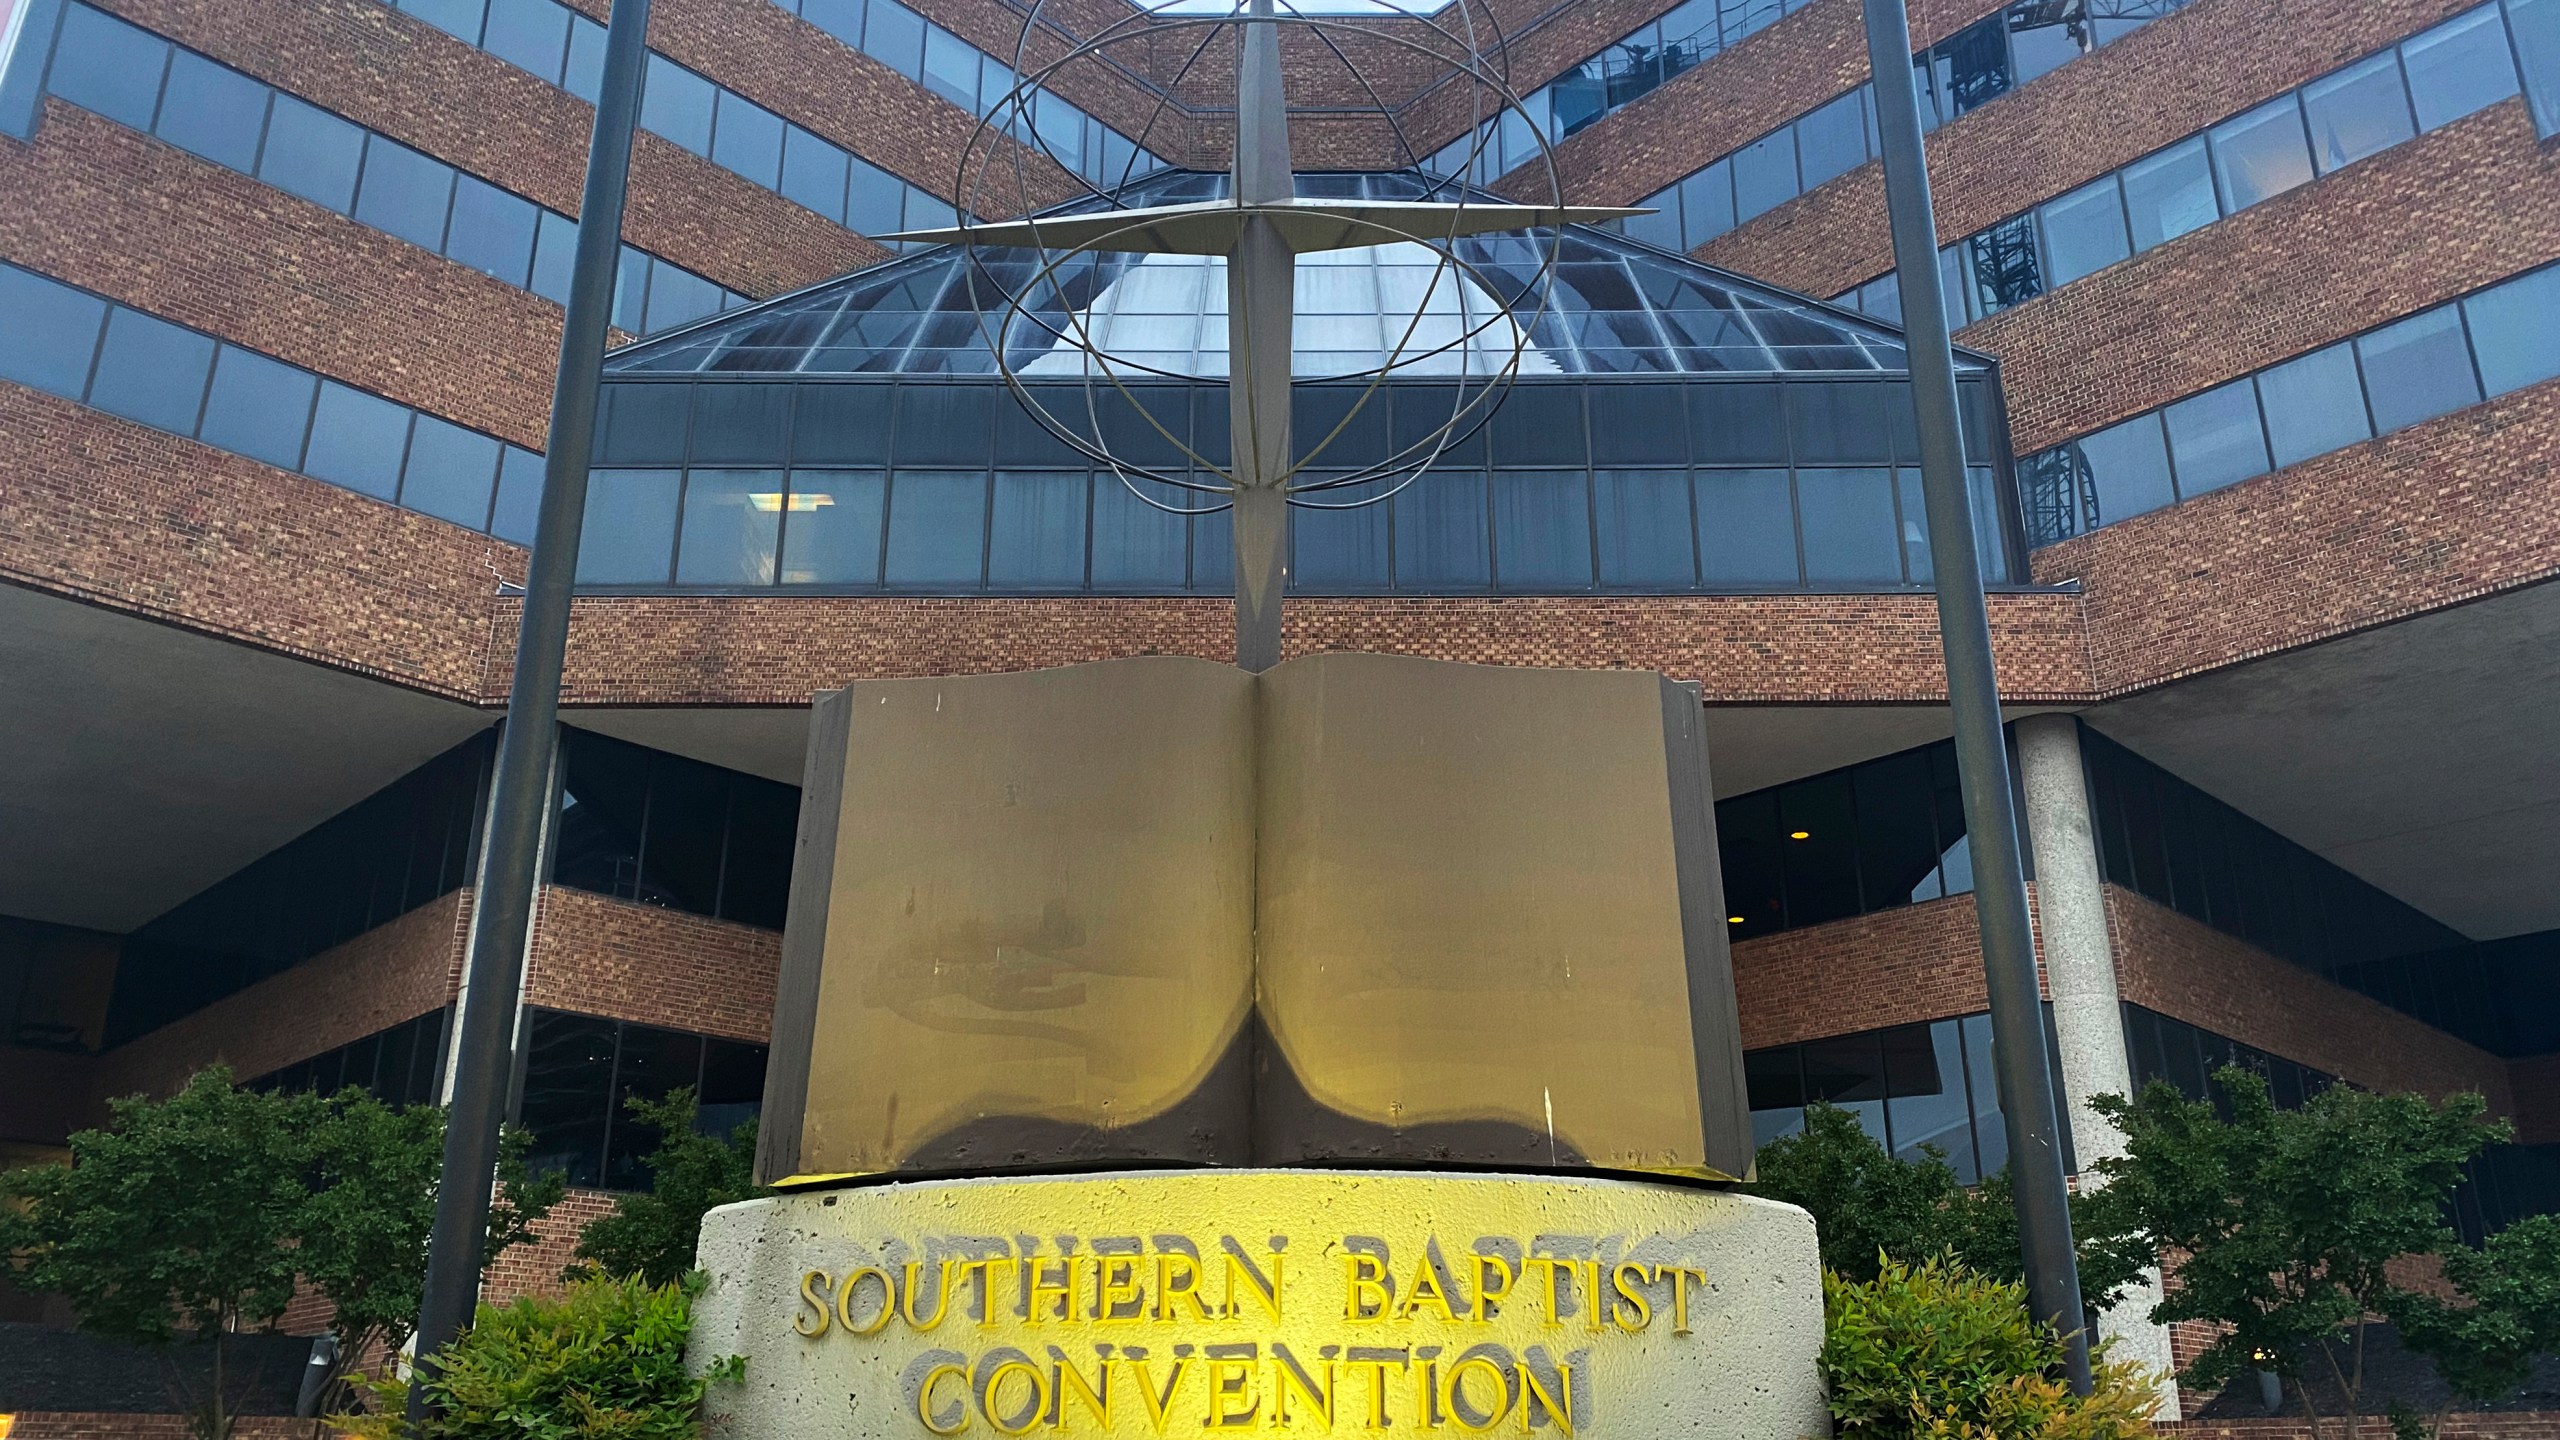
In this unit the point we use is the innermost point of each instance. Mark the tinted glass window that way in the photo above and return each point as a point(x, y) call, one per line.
point(677, 295)
point(492, 230)
point(2458, 67)
point(1637, 425)
point(519, 501)
point(258, 407)
point(216, 112)
point(950, 68)
point(732, 525)
point(1849, 531)
point(2084, 231)
point(555, 255)
point(105, 65)
point(1746, 528)
point(2214, 438)
point(676, 103)
point(1340, 551)
point(730, 422)
point(630, 531)
point(1764, 174)
point(404, 192)
point(584, 75)
point(1542, 529)
point(1137, 545)
point(1833, 140)
point(937, 528)
point(832, 534)
point(52, 332)
point(1440, 536)
point(2357, 111)
point(2515, 330)
point(1036, 536)
point(747, 138)
point(533, 34)
point(451, 472)
point(2170, 194)
point(357, 441)
point(458, 18)
point(2313, 404)
point(813, 172)
point(568, 1077)
point(311, 153)
point(2417, 369)
point(894, 35)
point(2129, 465)
point(1646, 534)
point(1706, 203)
point(152, 371)
point(2535, 25)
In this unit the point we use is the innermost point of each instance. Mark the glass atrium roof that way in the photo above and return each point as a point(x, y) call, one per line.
point(1612, 306)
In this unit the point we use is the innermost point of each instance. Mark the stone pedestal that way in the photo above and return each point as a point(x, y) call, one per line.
point(1154, 1303)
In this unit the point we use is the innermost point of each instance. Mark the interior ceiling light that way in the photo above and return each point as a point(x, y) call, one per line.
point(1733, 919)
point(1800, 835)
point(802, 502)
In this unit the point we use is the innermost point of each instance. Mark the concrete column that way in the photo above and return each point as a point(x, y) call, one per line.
point(2080, 972)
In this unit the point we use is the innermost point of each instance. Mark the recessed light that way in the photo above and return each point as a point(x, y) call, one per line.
point(1800, 835)
point(1733, 919)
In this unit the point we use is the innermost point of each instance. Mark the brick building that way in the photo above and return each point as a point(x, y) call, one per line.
point(2260, 309)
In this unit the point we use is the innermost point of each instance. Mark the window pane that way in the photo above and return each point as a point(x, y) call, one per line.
point(2129, 465)
point(584, 76)
point(873, 205)
point(951, 68)
point(2460, 66)
point(2416, 370)
point(1645, 530)
point(2357, 111)
point(1925, 1094)
point(405, 193)
point(1849, 1072)
point(1706, 203)
point(568, 1083)
point(732, 521)
point(1137, 546)
point(1849, 531)
point(755, 882)
point(2515, 330)
point(519, 496)
point(451, 472)
point(653, 1063)
point(937, 528)
point(748, 139)
point(152, 371)
point(1661, 229)
point(630, 530)
point(1542, 530)
point(2170, 194)
point(2084, 231)
point(1336, 551)
point(894, 36)
point(1833, 140)
point(676, 103)
point(492, 230)
point(1746, 528)
point(2261, 154)
point(1764, 174)
point(1982, 1085)
point(677, 296)
point(2314, 405)
point(458, 18)
point(2004, 266)
point(357, 441)
point(105, 65)
point(1440, 533)
point(555, 255)
point(2214, 438)
point(1037, 533)
point(312, 153)
point(258, 407)
point(2535, 24)
point(834, 534)
point(840, 18)
point(813, 172)
point(533, 34)
point(216, 112)
point(1774, 1080)
point(51, 334)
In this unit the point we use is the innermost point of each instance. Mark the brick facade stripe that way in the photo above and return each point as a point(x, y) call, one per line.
point(534, 1267)
point(652, 966)
point(1894, 967)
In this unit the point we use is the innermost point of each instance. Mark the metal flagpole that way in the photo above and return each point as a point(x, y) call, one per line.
point(1261, 303)
point(519, 797)
point(2036, 1171)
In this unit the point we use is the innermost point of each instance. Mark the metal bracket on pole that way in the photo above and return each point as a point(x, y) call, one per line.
point(520, 794)
point(2036, 1171)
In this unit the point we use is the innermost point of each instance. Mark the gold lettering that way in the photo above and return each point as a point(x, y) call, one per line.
point(1554, 1270)
point(1231, 1378)
point(924, 1399)
point(1042, 1292)
point(888, 1301)
point(1533, 1392)
point(941, 1295)
point(1453, 1393)
point(1159, 1405)
point(1596, 1302)
point(813, 1293)
point(1364, 1289)
point(1628, 1295)
point(1487, 1293)
point(1188, 1291)
point(1426, 1287)
point(995, 1382)
point(1287, 1375)
point(1426, 1396)
point(1115, 1285)
point(1265, 1292)
point(1377, 1368)
point(1680, 1295)
point(1069, 1380)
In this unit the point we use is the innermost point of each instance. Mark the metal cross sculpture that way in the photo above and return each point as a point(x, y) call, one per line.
point(1261, 229)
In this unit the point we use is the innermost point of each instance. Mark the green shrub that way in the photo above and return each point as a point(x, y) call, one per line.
point(1940, 1352)
point(652, 1235)
point(606, 1362)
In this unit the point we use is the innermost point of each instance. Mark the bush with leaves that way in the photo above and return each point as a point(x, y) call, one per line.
point(653, 1236)
point(604, 1362)
point(1940, 1352)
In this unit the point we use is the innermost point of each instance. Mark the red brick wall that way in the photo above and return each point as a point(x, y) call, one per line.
point(1917, 962)
point(654, 966)
point(534, 1268)
point(2430, 516)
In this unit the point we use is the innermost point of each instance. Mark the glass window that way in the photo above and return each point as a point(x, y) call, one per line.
point(2515, 330)
point(1339, 551)
point(677, 296)
point(1764, 174)
point(103, 64)
point(747, 138)
point(1638, 425)
point(451, 472)
point(1849, 532)
point(2535, 27)
point(730, 423)
point(676, 103)
point(2314, 404)
point(2084, 231)
point(2261, 154)
point(937, 528)
point(894, 36)
point(1542, 530)
point(404, 193)
point(2170, 194)
point(458, 18)
point(152, 371)
point(258, 407)
point(840, 18)
point(1774, 1080)
point(212, 110)
point(1036, 535)
point(2417, 369)
point(1849, 1072)
point(2214, 438)
point(1138, 546)
point(1706, 203)
point(519, 503)
point(833, 532)
point(1925, 1101)
point(555, 255)
point(652, 1063)
point(875, 201)
point(813, 172)
point(1746, 528)
point(1990, 1137)
point(630, 532)
point(312, 153)
point(1662, 229)
point(1440, 542)
point(2460, 66)
point(732, 526)
point(492, 230)
point(52, 332)
point(584, 76)
point(2129, 466)
point(1832, 141)
point(951, 68)
point(530, 34)
point(568, 1086)
point(2357, 111)
point(357, 440)
point(2005, 269)
point(1645, 530)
